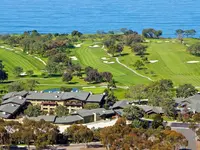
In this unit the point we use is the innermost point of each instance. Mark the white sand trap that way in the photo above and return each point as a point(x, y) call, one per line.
point(104, 58)
point(173, 41)
point(147, 41)
point(77, 45)
point(74, 58)
point(153, 61)
point(192, 62)
point(107, 62)
point(23, 74)
point(159, 41)
point(2, 46)
point(9, 48)
point(187, 45)
point(94, 46)
point(167, 41)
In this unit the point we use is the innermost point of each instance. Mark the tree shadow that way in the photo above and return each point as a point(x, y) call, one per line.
point(73, 82)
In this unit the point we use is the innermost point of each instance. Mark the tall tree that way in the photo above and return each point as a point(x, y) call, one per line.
point(133, 112)
point(61, 111)
point(33, 111)
point(139, 49)
point(136, 92)
point(3, 73)
point(67, 77)
point(186, 90)
point(17, 71)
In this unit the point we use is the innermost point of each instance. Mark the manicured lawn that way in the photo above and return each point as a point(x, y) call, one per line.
point(172, 62)
point(12, 59)
point(93, 57)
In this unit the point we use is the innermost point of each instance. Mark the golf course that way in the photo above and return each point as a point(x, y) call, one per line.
point(167, 59)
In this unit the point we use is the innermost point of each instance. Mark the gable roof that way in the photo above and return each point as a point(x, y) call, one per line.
point(50, 118)
point(9, 108)
point(75, 95)
point(68, 119)
point(151, 109)
point(15, 100)
point(95, 98)
point(57, 96)
point(99, 111)
point(4, 115)
point(120, 104)
point(44, 96)
point(12, 94)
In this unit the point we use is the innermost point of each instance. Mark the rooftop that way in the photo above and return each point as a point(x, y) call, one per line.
point(68, 119)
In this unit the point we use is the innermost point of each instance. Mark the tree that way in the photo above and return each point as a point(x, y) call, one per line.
point(133, 112)
point(91, 106)
point(93, 76)
point(3, 73)
point(4, 136)
point(119, 48)
point(151, 33)
point(17, 71)
point(16, 86)
point(79, 134)
point(30, 85)
point(67, 77)
point(29, 72)
point(76, 33)
point(180, 34)
point(133, 38)
point(157, 121)
point(138, 64)
point(111, 98)
point(61, 111)
point(190, 32)
point(109, 42)
point(194, 49)
point(65, 89)
point(136, 92)
point(112, 84)
point(186, 90)
point(139, 49)
point(107, 76)
point(196, 117)
point(33, 111)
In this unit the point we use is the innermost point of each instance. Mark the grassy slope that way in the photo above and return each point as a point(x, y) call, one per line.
point(92, 57)
point(172, 58)
point(12, 59)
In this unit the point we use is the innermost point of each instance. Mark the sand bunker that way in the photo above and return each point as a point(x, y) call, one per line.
point(7, 48)
point(94, 46)
point(74, 58)
point(107, 62)
point(77, 45)
point(192, 62)
point(23, 74)
point(167, 41)
point(159, 41)
point(153, 61)
point(147, 41)
point(89, 87)
point(187, 45)
point(104, 58)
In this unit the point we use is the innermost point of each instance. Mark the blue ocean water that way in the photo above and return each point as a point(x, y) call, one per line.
point(88, 16)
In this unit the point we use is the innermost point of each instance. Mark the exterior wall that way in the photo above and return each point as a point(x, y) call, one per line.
point(71, 105)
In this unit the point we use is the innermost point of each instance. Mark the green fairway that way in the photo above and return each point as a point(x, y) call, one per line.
point(172, 59)
point(12, 59)
point(93, 57)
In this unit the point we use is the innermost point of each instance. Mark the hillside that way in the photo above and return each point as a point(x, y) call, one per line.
point(12, 59)
point(169, 60)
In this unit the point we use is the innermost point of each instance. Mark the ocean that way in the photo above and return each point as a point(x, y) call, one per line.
point(88, 16)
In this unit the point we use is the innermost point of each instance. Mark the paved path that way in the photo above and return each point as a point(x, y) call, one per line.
point(135, 72)
point(117, 59)
point(190, 136)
